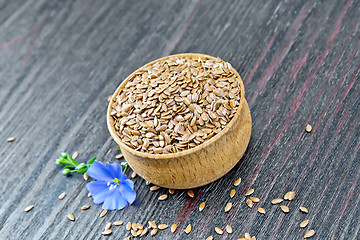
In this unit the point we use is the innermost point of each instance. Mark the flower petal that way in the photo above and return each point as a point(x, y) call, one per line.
point(129, 183)
point(127, 192)
point(116, 170)
point(114, 201)
point(99, 191)
point(100, 172)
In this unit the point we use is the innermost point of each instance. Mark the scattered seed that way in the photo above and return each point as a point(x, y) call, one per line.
point(309, 233)
point(276, 201)
point(163, 197)
point(253, 238)
point(304, 223)
point(133, 232)
point(144, 232)
point(209, 238)
point(133, 175)
point(127, 238)
point(85, 207)
point(103, 213)
point(75, 155)
point(86, 177)
point(237, 182)
point(139, 226)
point(304, 209)
point(171, 190)
point(128, 226)
point(120, 155)
point(162, 226)
point(219, 231)
point(254, 199)
point(261, 210)
point(28, 208)
point(108, 226)
point(62, 195)
point(139, 232)
point(134, 226)
point(106, 232)
point(249, 192)
point(284, 208)
point(118, 223)
point(247, 236)
point(89, 195)
point(232, 193)
point(154, 188)
point(147, 182)
point(289, 196)
point(229, 229)
point(241, 239)
point(308, 128)
point(109, 98)
point(71, 217)
point(188, 228)
point(202, 206)
point(173, 227)
point(249, 203)
point(10, 139)
point(228, 207)
point(190, 193)
point(154, 231)
point(152, 224)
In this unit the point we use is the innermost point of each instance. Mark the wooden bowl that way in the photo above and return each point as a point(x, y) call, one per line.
point(197, 166)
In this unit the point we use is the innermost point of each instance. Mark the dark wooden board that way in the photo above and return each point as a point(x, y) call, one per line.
point(300, 63)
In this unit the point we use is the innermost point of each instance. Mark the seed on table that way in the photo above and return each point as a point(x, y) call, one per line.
point(162, 226)
point(144, 232)
point(134, 226)
point(118, 223)
point(108, 226)
point(139, 232)
point(106, 232)
point(261, 210)
point(109, 98)
point(289, 196)
point(241, 239)
point(232, 193)
point(85, 207)
point(284, 208)
point(139, 226)
point(10, 139)
point(28, 208)
point(253, 238)
point(254, 199)
point(249, 192)
point(219, 231)
point(308, 128)
point(228, 207)
point(86, 177)
point(147, 182)
point(128, 226)
point(237, 182)
point(304, 209)
point(188, 228)
point(127, 238)
point(304, 223)
point(75, 155)
point(152, 224)
point(276, 201)
point(154, 188)
point(202, 206)
point(249, 203)
point(133, 175)
point(133, 232)
point(190, 193)
point(120, 155)
point(89, 195)
point(209, 238)
point(163, 197)
point(154, 231)
point(173, 227)
point(62, 195)
point(103, 213)
point(71, 217)
point(229, 229)
point(309, 233)
point(247, 236)
point(171, 190)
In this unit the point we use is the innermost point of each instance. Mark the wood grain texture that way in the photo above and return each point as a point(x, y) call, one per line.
point(300, 62)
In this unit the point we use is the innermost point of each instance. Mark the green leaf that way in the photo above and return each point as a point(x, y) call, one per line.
point(91, 161)
point(82, 170)
point(66, 171)
point(118, 148)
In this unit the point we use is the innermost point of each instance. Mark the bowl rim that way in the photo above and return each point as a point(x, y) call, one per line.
point(112, 130)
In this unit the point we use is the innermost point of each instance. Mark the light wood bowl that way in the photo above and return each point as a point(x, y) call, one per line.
point(197, 166)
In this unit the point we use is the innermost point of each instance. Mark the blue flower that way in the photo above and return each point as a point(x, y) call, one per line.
point(112, 188)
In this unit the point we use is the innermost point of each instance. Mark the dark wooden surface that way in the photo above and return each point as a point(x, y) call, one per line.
point(300, 62)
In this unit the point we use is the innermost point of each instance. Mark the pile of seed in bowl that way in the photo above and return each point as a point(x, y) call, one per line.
point(176, 104)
